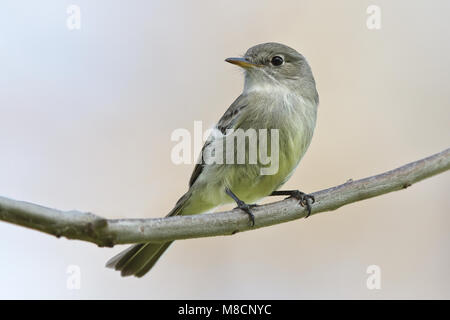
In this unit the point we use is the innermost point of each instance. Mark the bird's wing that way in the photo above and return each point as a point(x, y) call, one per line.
point(227, 121)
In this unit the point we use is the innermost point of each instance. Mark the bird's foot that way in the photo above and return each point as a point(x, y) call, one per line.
point(243, 206)
point(247, 209)
point(305, 200)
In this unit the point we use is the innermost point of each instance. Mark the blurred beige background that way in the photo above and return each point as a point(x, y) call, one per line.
point(86, 117)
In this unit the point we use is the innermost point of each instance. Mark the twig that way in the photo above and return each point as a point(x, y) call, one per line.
point(109, 232)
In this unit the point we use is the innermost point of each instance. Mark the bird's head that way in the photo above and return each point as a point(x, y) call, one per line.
point(273, 64)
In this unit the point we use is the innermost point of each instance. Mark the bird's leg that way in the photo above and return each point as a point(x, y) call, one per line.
point(242, 205)
point(302, 197)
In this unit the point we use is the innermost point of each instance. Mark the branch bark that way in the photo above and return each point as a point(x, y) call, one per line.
point(109, 232)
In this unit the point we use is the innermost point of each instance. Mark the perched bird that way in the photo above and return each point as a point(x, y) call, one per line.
point(279, 94)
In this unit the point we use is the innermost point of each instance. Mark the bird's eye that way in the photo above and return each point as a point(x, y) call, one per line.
point(277, 61)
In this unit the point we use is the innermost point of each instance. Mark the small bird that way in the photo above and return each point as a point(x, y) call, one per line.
point(279, 93)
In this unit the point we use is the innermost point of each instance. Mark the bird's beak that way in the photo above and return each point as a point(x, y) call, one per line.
point(241, 62)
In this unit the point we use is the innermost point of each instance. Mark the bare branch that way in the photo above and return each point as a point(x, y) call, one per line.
point(108, 232)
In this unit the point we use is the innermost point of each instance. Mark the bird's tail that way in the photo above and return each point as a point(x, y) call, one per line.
point(138, 259)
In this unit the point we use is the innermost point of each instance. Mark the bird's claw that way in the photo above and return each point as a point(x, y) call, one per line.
point(304, 200)
point(247, 209)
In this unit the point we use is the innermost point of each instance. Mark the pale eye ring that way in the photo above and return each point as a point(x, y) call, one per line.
point(277, 61)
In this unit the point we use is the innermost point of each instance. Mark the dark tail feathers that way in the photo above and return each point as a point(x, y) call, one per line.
point(138, 259)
